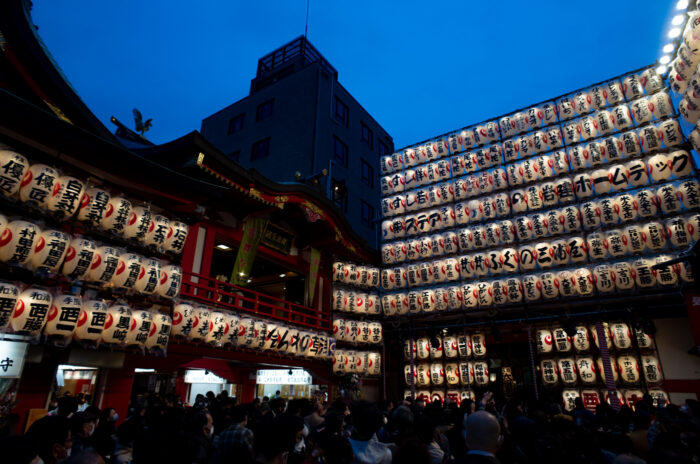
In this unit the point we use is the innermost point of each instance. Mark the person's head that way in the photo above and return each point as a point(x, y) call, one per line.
point(483, 432)
point(210, 395)
point(201, 423)
point(239, 415)
point(578, 403)
point(277, 393)
point(366, 419)
point(83, 423)
point(52, 438)
point(67, 405)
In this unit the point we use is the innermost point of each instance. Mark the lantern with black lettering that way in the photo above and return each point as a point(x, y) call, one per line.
point(118, 324)
point(549, 371)
point(63, 317)
point(629, 368)
point(66, 195)
point(9, 293)
point(49, 251)
point(91, 322)
point(30, 311)
point(201, 325)
point(567, 371)
point(138, 222)
point(218, 332)
point(545, 341)
point(79, 257)
point(652, 369)
point(116, 216)
point(481, 373)
point(246, 332)
point(37, 185)
point(170, 279)
point(17, 242)
point(93, 206)
point(148, 280)
point(141, 323)
point(104, 264)
point(175, 239)
point(157, 231)
point(586, 369)
point(569, 398)
point(12, 169)
point(183, 320)
point(157, 340)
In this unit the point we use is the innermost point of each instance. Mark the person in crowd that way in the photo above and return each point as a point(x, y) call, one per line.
point(483, 438)
point(237, 439)
point(315, 419)
point(104, 437)
point(52, 437)
point(66, 406)
point(366, 421)
point(198, 439)
point(83, 426)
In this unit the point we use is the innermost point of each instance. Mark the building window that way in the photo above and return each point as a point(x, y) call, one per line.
point(339, 194)
point(342, 113)
point(264, 110)
point(367, 214)
point(367, 174)
point(261, 149)
point(234, 155)
point(383, 148)
point(340, 151)
point(236, 124)
point(367, 136)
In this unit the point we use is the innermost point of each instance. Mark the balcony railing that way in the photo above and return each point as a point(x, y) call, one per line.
point(228, 296)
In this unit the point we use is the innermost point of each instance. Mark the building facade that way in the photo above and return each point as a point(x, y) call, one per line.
point(298, 122)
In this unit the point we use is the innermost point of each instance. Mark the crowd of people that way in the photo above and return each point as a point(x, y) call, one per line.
point(216, 429)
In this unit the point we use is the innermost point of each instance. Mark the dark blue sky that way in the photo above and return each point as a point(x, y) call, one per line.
point(420, 68)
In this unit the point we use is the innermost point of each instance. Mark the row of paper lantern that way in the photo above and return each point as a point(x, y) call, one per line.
point(683, 67)
point(625, 144)
point(579, 187)
point(635, 173)
point(583, 281)
point(54, 251)
point(224, 329)
point(352, 331)
point(592, 398)
point(357, 362)
point(452, 395)
point(68, 316)
point(618, 336)
point(580, 104)
point(65, 196)
point(585, 370)
point(450, 346)
point(635, 239)
point(608, 211)
point(356, 275)
point(356, 302)
point(451, 374)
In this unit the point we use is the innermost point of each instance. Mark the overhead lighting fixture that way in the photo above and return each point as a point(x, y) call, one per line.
point(241, 273)
point(682, 5)
point(665, 59)
point(678, 20)
point(223, 247)
point(139, 370)
point(661, 70)
point(249, 280)
point(668, 48)
point(675, 32)
point(283, 275)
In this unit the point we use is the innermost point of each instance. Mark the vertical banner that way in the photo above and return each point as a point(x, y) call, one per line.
point(253, 230)
point(313, 273)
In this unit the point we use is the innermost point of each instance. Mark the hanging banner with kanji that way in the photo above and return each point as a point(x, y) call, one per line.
point(253, 230)
point(313, 273)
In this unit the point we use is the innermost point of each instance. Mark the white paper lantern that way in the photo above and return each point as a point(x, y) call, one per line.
point(63, 315)
point(437, 374)
point(91, 322)
point(621, 335)
point(49, 251)
point(246, 332)
point(567, 284)
point(374, 363)
point(629, 368)
point(567, 371)
point(184, 319)
point(141, 327)
point(550, 285)
point(586, 368)
point(170, 280)
point(581, 340)
point(14, 169)
point(160, 332)
point(569, 398)
point(118, 324)
point(202, 324)
point(37, 182)
point(139, 221)
point(157, 231)
point(17, 241)
point(104, 264)
point(544, 341)
point(78, 259)
point(423, 375)
point(550, 371)
point(218, 330)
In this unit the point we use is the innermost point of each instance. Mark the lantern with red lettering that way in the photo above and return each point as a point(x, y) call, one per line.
point(91, 322)
point(13, 171)
point(17, 241)
point(93, 206)
point(49, 251)
point(30, 311)
point(62, 317)
point(79, 257)
point(37, 185)
point(104, 264)
point(117, 324)
point(629, 368)
point(157, 340)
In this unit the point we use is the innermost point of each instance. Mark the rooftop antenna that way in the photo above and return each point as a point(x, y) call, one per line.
point(306, 26)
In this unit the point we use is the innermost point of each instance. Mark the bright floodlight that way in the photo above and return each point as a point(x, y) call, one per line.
point(682, 4)
point(678, 20)
point(675, 32)
point(668, 48)
point(661, 70)
point(664, 59)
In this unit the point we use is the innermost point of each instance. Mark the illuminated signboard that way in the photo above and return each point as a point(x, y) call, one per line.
point(282, 377)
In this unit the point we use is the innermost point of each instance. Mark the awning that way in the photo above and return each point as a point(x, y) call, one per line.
point(215, 366)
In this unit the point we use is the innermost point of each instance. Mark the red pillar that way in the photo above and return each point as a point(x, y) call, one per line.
point(117, 390)
point(34, 388)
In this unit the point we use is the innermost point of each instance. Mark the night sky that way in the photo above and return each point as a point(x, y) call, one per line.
point(421, 68)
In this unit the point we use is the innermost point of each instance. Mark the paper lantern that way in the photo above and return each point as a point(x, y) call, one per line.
point(374, 363)
point(423, 348)
point(218, 329)
point(481, 373)
point(603, 278)
point(613, 367)
point(151, 276)
point(246, 332)
point(642, 273)
point(94, 205)
point(372, 304)
point(117, 216)
point(580, 340)
point(562, 341)
point(567, 371)
point(569, 397)
point(128, 270)
point(622, 276)
point(17, 241)
point(652, 369)
point(669, 198)
point(78, 258)
point(583, 281)
point(544, 341)
point(660, 105)
point(654, 235)
point(104, 264)
point(91, 321)
point(138, 222)
point(37, 183)
point(532, 287)
point(621, 335)
point(183, 320)
point(515, 290)
point(689, 193)
point(454, 297)
point(408, 378)
point(62, 317)
point(550, 285)
point(606, 121)
point(158, 230)
point(567, 287)
point(267, 335)
point(629, 368)
point(404, 305)
point(160, 332)
point(641, 110)
point(9, 293)
point(65, 196)
point(423, 375)
point(437, 374)
point(694, 226)
point(578, 252)
point(14, 167)
point(586, 368)
point(597, 245)
point(677, 231)
point(141, 323)
point(478, 344)
point(118, 324)
point(549, 371)
point(545, 255)
point(49, 251)
point(202, 325)
point(669, 132)
point(589, 127)
point(616, 242)
point(667, 275)
point(397, 161)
